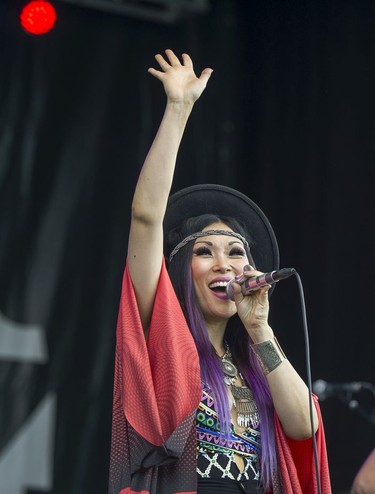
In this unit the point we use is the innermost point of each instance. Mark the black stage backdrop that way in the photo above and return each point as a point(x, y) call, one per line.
point(288, 118)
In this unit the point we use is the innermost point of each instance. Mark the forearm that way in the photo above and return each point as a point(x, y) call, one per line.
point(291, 400)
point(145, 247)
point(290, 394)
point(155, 180)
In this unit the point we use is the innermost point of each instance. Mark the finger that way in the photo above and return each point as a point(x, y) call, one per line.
point(187, 61)
point(248, 267)
point(250, 271)
point(156, 73)
point(238, 296)
point(162, 62)
point(205, 75)
point(173, 60)
point(236, 287)
point(265, 289)
point(263, 294)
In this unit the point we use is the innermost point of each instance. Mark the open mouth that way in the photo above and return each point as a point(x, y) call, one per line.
point(218, 287)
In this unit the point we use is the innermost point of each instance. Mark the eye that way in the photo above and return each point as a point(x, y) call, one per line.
point(202, 251)
point(237, 251)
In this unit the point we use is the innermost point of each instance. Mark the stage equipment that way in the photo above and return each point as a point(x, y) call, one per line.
point(161, 11)
point(38, 17)
point(344, 392)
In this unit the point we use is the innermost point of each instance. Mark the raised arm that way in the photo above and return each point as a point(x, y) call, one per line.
point(145, 248)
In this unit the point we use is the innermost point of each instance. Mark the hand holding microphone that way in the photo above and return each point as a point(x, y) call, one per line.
point(250, 284)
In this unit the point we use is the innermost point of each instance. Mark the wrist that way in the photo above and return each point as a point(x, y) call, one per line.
point(180, 106)
point(177, 113)
point(260, 333)
point(269, 354)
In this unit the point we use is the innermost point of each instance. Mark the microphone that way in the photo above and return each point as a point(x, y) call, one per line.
point(248, 285)
point(324, 390)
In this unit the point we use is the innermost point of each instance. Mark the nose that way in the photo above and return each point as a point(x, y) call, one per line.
point(222, 265)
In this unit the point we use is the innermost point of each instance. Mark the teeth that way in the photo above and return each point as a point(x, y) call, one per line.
point(218, 283)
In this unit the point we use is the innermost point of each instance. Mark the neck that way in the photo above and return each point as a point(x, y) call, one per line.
point(216, 332)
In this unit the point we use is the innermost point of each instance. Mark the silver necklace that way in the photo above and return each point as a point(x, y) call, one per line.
point(243, 399)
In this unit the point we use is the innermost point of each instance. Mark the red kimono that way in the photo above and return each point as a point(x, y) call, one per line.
point(157, 390)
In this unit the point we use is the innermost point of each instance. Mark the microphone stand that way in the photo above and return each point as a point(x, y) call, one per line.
point(354, 405)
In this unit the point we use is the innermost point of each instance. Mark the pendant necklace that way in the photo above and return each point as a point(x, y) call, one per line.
point(243, 399)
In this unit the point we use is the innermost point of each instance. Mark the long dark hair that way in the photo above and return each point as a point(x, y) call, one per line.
point(238, 339)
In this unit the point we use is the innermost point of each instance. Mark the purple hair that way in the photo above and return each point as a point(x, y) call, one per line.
point(236, 336)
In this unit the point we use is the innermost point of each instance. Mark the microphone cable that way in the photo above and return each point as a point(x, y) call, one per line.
point(309, 383)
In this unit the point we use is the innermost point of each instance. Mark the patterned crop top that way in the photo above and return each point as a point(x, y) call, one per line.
point(215, 453)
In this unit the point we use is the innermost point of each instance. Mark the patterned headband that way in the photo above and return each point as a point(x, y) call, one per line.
point(206, 233)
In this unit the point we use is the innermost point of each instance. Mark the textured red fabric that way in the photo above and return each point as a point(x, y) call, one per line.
point(163, 379)
point(157, 390)
point(296, 461)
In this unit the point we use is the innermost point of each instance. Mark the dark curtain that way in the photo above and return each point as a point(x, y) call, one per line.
point(288, 118)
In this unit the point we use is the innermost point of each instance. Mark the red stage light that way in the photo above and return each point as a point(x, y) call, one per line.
point(38, 17)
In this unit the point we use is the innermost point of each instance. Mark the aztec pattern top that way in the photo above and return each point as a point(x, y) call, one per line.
point(215, 453)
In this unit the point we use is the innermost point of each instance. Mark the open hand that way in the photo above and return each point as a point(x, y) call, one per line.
point(180, 82)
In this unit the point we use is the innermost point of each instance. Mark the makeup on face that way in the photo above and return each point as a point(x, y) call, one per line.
point(216, 260)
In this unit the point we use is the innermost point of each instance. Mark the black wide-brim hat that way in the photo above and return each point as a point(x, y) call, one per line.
point(225, 201)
